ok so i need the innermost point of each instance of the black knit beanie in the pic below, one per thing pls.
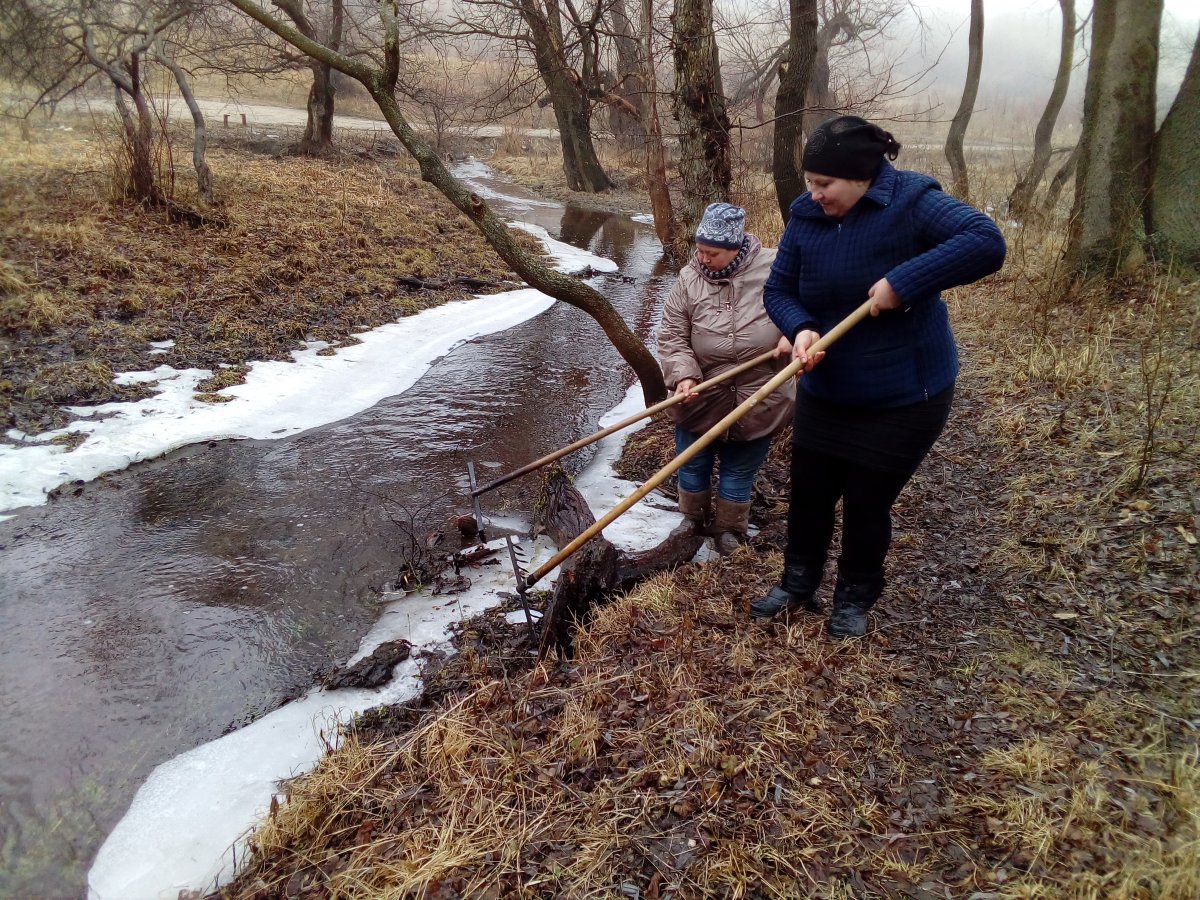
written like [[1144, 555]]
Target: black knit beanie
[[848, 147]]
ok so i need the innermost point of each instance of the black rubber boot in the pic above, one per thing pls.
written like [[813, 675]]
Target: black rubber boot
[[795, 591], [852, 600]]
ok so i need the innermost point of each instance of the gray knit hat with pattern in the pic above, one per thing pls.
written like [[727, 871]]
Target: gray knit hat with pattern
[[723, 225]]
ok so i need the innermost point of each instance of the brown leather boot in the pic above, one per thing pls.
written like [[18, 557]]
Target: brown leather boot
[[696, 507], [730, 524]]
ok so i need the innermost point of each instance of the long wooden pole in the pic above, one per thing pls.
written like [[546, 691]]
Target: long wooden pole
[[703, 441], [624, 423]]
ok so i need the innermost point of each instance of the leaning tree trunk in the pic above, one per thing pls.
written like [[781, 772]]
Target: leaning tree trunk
[[961, 186], [1021, 198], [1113, 176], [1174, 210], [380, 82], [204, 178], [705, 149], [1065, 173], [795, 72]]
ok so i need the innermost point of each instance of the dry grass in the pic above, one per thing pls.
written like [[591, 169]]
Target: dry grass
[[701, 759], [1020, 724], [313, 251]]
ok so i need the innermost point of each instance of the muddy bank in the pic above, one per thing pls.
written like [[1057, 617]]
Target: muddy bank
[[313, 250]]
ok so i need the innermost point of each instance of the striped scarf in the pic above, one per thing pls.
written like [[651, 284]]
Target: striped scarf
[[749, 249]]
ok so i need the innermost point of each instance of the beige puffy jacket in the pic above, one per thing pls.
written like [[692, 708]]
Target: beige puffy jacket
[[708, 328]]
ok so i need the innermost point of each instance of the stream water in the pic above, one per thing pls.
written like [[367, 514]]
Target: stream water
[[157, 608]]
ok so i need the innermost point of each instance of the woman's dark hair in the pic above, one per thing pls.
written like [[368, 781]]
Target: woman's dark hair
[[848, 147]]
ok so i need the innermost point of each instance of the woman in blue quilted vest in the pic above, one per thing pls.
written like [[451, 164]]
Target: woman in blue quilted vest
[[867, 415]]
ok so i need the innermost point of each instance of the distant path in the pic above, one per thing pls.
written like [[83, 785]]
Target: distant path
[[265, 114]]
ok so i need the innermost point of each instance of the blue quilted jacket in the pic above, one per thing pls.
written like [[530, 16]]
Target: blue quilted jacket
[[923, 241]]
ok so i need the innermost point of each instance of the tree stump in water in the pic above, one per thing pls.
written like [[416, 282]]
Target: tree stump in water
[[597, 568]]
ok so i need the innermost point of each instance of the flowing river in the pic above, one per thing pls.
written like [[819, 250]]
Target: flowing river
[[153, 610]]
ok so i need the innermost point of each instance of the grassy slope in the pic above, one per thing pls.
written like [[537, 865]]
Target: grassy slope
[[1020, 723], [313, 250]]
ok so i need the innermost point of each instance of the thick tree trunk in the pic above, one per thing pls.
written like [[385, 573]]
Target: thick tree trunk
[[818, 96], [961, 185], [573, 114], [627, 120], [597, 569], [318, 130], [795, 73], [704, 146], [568, 98], [1174, 210], [1113, 177], [1021, 199]]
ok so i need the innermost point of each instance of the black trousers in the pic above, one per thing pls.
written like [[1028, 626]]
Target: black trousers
[[863, 459]]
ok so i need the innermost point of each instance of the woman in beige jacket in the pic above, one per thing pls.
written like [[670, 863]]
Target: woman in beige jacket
[[713, 320]]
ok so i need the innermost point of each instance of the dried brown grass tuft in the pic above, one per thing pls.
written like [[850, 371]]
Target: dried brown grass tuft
[[313, 251]]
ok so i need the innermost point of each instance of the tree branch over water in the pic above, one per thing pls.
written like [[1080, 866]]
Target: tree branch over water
[[381, 84]]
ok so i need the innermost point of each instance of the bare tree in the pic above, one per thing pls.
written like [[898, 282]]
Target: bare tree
[[204, 178], [57, 49], [656, 165], [961, 186], [1021, 198], [1065, 173], [853, 69], [626, 119], [1113, 175], [318, 130], [566, 43], [795, 72], [1174, 213], [705, 156], [111, 39], [380, 80]]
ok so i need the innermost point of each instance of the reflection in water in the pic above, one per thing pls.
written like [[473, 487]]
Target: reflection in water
[[179, 599]]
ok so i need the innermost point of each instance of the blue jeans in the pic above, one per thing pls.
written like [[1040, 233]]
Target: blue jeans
[[739, 463]]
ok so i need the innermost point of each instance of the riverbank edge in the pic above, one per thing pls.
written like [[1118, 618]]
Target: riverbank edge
[[1021, 665]]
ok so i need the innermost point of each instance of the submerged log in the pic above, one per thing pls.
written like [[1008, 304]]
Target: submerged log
[[598, 568]]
